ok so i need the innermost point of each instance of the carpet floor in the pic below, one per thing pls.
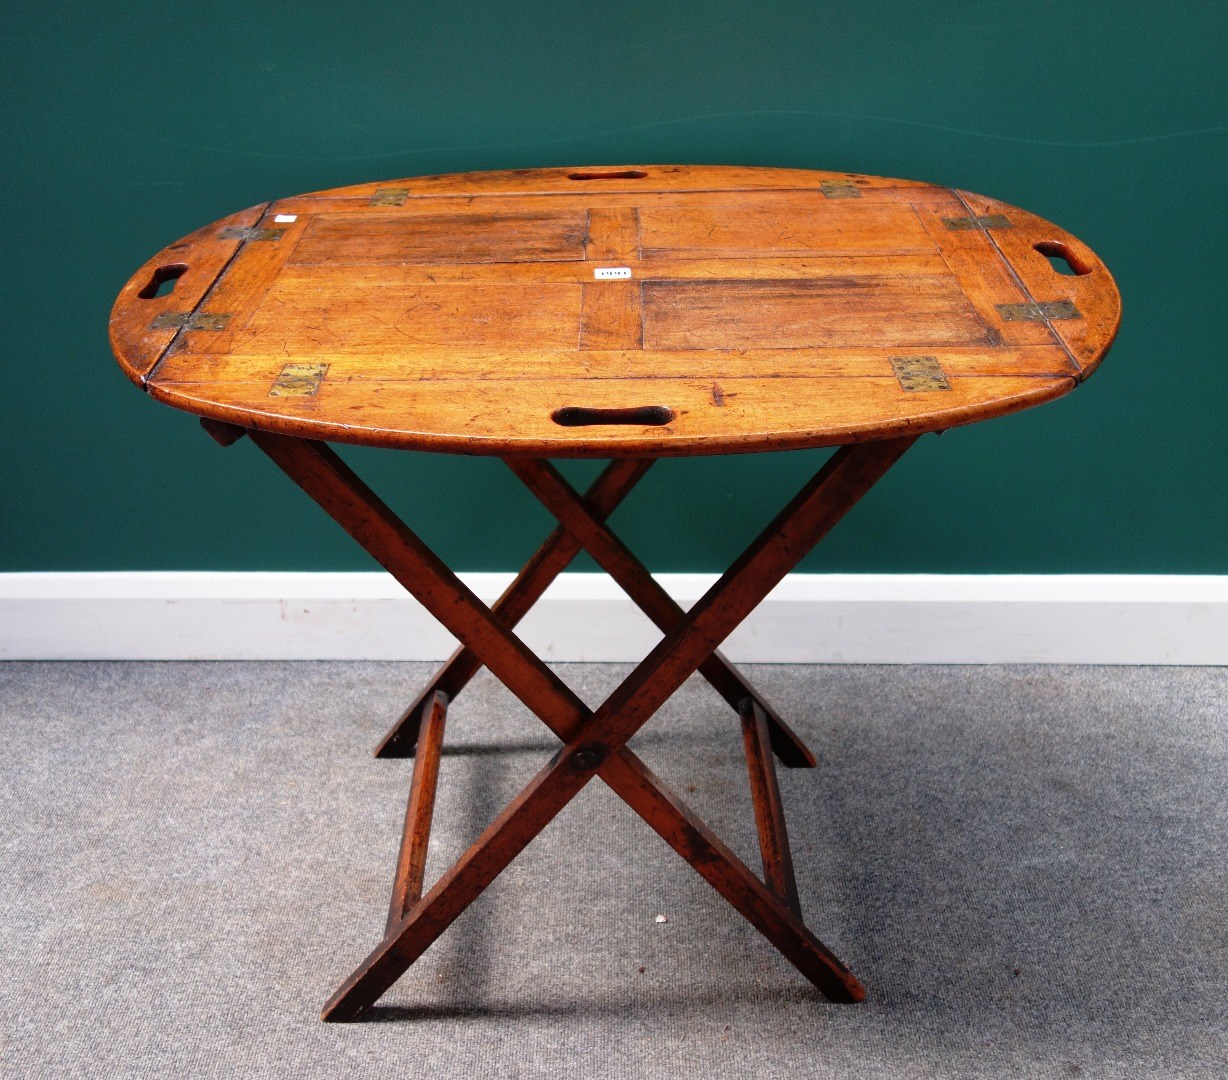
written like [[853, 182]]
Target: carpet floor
[[1026, 866]]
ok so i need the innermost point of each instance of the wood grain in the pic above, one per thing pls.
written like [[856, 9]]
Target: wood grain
[[888, 312], [498, 235], [790, 223], [769, 810], [752, 414], [465, 317], [612, 316], [202, 255], [419, 809], [1092, 289]]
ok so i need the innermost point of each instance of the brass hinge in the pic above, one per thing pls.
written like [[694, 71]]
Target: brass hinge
[[919, 373], [390, 196], [840, 189], [1042, 311], [190, 320], [299, 380], [238, 232], [982, 221]]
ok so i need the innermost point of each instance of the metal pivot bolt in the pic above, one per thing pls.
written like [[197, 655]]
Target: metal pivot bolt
[[584, 759]]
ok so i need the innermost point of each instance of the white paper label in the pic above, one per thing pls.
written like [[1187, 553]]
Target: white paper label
[[279, 218], [612, 273]]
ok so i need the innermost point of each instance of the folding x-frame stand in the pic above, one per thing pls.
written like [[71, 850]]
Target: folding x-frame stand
[[594, 742]]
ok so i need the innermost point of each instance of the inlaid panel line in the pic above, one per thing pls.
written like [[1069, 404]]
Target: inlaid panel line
[[208, 293], [1020, 282]]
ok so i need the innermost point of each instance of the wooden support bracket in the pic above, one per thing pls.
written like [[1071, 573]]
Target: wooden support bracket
[[222, 433], [411, 862]]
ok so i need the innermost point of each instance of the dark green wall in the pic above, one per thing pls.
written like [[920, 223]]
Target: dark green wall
[[128, 124]]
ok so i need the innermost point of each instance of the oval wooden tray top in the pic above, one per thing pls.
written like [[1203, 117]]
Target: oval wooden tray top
[[617, 311]]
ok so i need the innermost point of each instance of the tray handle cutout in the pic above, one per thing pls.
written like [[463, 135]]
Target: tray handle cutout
[[611, 174], [1063, 259], [162, 283], [636, 416]]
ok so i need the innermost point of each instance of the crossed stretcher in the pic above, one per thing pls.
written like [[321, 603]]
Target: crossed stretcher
[[594, 741]]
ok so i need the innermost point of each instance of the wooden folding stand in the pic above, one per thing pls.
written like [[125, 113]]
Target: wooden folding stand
[[623, 314], [594, 742]]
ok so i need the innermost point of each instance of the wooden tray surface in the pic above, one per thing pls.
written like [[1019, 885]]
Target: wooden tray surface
[[617, 311]]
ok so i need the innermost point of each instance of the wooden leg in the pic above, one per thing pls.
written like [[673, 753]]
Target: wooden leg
[[555, 554], [317, 469], [769, 812], [595, 741], [525, 817], [411, 861], [634, 578], [678, 826]]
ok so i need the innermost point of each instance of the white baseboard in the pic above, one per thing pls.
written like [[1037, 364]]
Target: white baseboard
[[809, 618]]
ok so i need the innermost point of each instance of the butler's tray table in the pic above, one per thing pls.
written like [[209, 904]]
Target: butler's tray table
[[625, 314]]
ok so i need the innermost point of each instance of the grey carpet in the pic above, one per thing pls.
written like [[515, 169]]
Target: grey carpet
[[1026, 866]]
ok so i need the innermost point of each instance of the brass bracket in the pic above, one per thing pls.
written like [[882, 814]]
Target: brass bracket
[[983, 221], [390, 196], [238, 232], [190, 320], [919, 373], [299, 380], [840, 189], [1041, 311]]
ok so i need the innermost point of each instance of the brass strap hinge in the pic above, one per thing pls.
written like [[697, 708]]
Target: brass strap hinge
[[919, 373], [1041, 311], [299, 380], [238, 232], [982, 221], [840, 189], [190, 320], [390, 196]]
